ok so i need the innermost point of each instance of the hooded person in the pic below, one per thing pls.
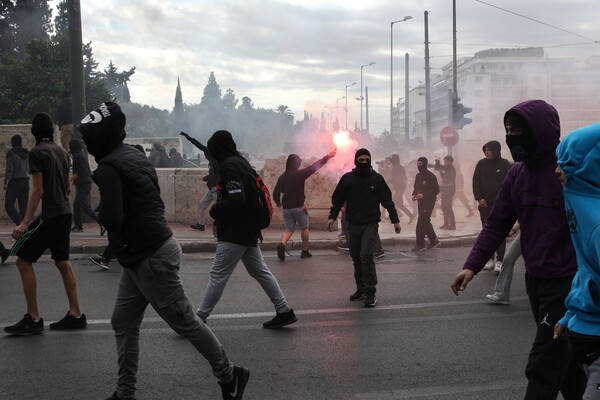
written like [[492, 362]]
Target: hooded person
[[289, 193], [16, 180], [425, 191], [363, 190], [132, 211], [238, 232], [399, 183], [578, 164], [487, 178], [531, 193]]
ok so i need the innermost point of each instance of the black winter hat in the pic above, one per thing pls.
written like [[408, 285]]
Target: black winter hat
[[103, 129], [361, 152], [221, 145], [16, 141]]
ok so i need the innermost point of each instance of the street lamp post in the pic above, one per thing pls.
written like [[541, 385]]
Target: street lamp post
[[392, 71], [361, 93], [346, 108]]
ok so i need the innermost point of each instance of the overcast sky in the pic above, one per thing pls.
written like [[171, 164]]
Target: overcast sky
[[302, 53]]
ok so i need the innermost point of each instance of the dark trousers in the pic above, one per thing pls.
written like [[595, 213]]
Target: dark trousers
[[550, 368], [424, 227], [17, 191], [82, 204], [484, 213], [447, 198], [363, 239]]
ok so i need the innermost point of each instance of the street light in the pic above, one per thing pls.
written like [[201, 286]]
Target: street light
[[361, 92], [392, 70], [347, 86]]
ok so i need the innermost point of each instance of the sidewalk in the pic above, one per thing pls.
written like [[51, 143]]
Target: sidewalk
[[193, 241]]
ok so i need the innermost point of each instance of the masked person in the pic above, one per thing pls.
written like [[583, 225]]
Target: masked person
[[531, 193], [363, 190], [425, 192]]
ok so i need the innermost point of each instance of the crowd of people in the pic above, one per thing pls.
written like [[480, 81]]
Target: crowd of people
[[545, 200]]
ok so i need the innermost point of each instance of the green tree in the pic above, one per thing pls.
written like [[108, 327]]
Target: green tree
[[28, 19], [247, 104], [116, 82], [229, 100], [211, 98], [286, 114]]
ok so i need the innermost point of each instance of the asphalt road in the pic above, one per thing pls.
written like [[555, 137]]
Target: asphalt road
[[420, 342]]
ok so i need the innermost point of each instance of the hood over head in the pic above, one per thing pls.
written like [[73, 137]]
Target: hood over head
[[42, 127], [543, 124], [579, 156], [103, 129], [221, 145], [395, 159], [16, 141], [496, 148], [423, 168], [293, 163]]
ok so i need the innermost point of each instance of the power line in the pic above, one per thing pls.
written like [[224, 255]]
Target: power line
[[538, 21]]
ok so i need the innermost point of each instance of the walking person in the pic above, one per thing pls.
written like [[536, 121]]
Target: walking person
[[425, 193], [501, 293], [487, 179], [211, 182], [133, 212], [289, 193], [399, 183], [460, 190], [238, 232], [16, 180], [49, 166], [532, 134], [448, 190], [82, 180], [578, 164], [363, 190]]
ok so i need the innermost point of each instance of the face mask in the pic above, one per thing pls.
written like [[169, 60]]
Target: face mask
[[521, 147], [422, 168], [363, 168]]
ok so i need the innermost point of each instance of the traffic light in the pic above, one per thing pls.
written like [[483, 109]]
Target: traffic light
[[458, 114]]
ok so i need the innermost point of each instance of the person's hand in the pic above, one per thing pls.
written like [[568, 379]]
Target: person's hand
[[332, 153], [397, 227], [483, 203], [560, 332], [330, 224], [461, 280], [414, 197], [185, 135], [278, 205], [420, 196], [19, 231]]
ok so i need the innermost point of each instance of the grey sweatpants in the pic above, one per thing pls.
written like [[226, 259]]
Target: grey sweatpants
[[155, 280]]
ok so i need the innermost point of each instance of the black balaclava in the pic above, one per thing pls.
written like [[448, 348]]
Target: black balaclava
[[42, 128], [422, 168], [16, 141], [221, 146], [523, 146], [395, 159], [362, 168], [293, 163], [103, 129]]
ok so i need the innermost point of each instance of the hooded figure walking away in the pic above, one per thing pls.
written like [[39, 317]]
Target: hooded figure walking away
[[238, 232], [16, 180], [291, 185], [363, 190], [425, 191], [133, 213]]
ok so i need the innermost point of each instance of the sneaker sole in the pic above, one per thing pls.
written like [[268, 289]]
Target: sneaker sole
[[27, 333], [371, 305], [104, 267], [496, 302], [69, 328], [282, 324]]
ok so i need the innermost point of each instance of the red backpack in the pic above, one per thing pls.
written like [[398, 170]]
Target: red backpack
[[264, 209]]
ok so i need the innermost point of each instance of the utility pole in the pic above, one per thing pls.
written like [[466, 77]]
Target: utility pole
[[76, 63], [427, 83], [367, 108], [454, 68]]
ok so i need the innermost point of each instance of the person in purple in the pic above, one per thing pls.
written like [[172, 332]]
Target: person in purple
[[531, 193]]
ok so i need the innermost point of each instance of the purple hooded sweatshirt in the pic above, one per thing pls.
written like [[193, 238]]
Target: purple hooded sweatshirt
[[531, 193]]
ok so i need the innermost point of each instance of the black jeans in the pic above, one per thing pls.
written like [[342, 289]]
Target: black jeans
[[550, 367], [363, 239], [447, 198], [424, 227], [17, 190], [82, 204]]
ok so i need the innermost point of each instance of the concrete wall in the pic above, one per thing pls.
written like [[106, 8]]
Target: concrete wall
[[182, 188]]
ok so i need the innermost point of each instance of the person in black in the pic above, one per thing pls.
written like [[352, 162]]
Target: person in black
[[16, 180], [64, 118], [363, 190], [290, 184], [460, 190], [133, 212], [398, 179], [487, 179], [175, 159], [425, 191], [211, 182], [82, 180], [448, 189], [158, 156]]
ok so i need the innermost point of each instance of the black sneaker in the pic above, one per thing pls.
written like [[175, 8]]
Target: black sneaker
[[76, 230], [197, 226], [4, 254], [418, 248], [370, 300], [26, 326], [281, 251], [305, 254], [434, 244], [234, 390], [281, 320], [357, 296], [100, 261], [70, 322], [379, 253]]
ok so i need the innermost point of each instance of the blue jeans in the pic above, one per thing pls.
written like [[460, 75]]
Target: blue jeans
[[226, 259], [504, 280]]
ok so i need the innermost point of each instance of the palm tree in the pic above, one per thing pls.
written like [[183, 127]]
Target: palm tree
[[285, 113]]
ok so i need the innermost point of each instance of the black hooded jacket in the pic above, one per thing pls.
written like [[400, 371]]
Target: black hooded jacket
[[17, 165], [489, 174], [291, 182]]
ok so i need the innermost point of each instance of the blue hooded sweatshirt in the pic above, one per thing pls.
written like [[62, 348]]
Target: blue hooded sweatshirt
[[579, 158], [531, 193]]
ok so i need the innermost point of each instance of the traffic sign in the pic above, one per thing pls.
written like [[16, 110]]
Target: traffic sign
[[448, 136]]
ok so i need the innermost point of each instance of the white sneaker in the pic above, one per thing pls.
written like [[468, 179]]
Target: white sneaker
[[489, 265], [495, 299], [498, 267]]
